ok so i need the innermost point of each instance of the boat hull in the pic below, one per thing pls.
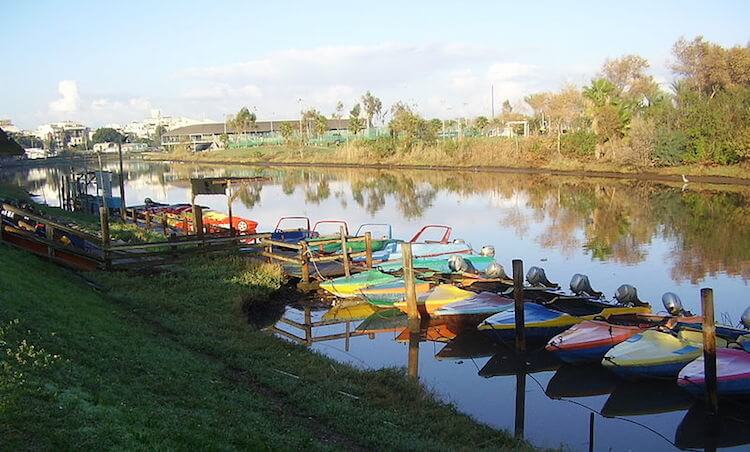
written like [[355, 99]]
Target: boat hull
[[589, 341], [732, 369]]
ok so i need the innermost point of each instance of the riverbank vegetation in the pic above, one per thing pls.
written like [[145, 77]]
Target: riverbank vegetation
[[175, 360], [623, 120]]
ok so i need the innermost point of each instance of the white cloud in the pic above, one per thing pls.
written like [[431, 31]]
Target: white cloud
[[69, 98], [509, 71]]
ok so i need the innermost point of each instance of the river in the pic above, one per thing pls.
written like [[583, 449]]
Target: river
[[656, 236]]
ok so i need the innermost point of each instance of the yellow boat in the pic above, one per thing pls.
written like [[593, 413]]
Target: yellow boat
[[438, 297]]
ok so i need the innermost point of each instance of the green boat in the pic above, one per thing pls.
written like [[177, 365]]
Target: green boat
[[384, 295], [439, 265], [349, 286]]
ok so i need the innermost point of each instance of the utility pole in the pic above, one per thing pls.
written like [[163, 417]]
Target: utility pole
[[492, 96]]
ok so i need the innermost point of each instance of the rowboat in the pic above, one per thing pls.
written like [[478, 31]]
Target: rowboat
[[349, 286], [378, 242], [437, 297], [422, 248], [541, 322], [589, 340], [662, 354], [292, 230], [732, 374], [470, 312], [385, 294]]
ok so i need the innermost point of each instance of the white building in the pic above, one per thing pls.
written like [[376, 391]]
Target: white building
[[7, 125], [64, 134], [147, 127]]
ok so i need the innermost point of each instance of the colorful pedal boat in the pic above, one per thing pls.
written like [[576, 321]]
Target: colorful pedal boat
[[470, 312], [349, 286], [437, 297], [590, 340], [732, 374], [439, 264], [543, 323], [388, 293], [392, 250]]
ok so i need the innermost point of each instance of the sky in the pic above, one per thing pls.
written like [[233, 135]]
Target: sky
[[115, 62]]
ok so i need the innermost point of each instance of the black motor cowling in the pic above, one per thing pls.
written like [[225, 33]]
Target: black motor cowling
[[672, 304], [628, 295], [581, 286], [495, 270], [538, 278]]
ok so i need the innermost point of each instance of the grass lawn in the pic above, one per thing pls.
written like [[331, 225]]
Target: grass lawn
[[169, 361]]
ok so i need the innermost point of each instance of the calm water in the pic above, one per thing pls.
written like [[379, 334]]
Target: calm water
[[657, 237]]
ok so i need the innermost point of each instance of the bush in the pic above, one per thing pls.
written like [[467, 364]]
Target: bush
[[579, 144], [670, 147]]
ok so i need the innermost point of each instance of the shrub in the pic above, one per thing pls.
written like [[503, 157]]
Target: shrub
[[579, 144], [670, 147]]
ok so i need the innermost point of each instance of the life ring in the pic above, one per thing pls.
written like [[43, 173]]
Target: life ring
[[242, 226]]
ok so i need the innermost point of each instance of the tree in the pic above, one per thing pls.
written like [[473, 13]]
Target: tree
[[539, 103], [481, 122], [628, 75], [243, 121], [158, 132], [356, 123], [287, 131], [313, 123], [107, 135], [339, 113], [709, 67], [372, 105], [320, 125], [507, 108], [564, 108]]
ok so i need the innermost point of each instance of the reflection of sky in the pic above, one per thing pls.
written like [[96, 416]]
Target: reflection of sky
[[479, 218]]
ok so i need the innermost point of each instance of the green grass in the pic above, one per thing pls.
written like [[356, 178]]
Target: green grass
[[168, 361]]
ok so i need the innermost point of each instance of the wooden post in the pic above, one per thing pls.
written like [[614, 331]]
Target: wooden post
[[304, 257], [100, 190], [345, 252], [518, 298], [164, 224], [147, 214], [368, 249], [520, 403], [591, 432], [50, 233], [122, 183], [709, 351], [104, 220], [229, 206], [134, 215], [412, 363], [308, 325], [411, 292]]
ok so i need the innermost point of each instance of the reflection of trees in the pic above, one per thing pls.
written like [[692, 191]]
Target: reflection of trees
[[319, 192], [412, 198], [249, 194]]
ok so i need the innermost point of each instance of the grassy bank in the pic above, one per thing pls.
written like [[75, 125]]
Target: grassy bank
[[535, 152], [169, 361]]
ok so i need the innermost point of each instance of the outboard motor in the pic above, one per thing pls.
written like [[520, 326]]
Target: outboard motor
[[148, 201], [745, 318], [458, 264], [628, 295], [581, 286], [672, 304], [487, 251], [537, 278], [495, 270]]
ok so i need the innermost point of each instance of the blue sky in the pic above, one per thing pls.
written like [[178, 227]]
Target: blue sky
[[104, 62]]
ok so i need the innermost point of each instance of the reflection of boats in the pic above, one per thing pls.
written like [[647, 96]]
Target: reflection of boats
[[346, 311], [387, 320], [732, 374], [352, 247], [731, 428], [439, 264], [662, 354], [508, 362], [543, 322], [631, 398], [437, 297], [580, 381], [470, 312], [349, 286], [466, 345], [433, 333], [385, 294]]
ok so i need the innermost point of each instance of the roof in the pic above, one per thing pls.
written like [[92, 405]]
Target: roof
[[218, 128]]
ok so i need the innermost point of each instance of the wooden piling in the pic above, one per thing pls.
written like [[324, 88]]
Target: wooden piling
[[368, 249], [345, 252], [49, 231], [104, 220], [709, 350], [198, 220], [591, 432], [164, 225], [518, 298], [308, 325], [412, 362], [411, 292], [229, 206], [147, 214], [520, 404], [304, 258], [122, 182]]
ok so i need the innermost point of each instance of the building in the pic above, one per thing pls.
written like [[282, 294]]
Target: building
[[147, 127], [205, 136], [126, 147], [63, 135], [7, 125]]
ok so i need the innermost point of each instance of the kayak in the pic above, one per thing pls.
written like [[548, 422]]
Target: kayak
[[470, 312], [385, 294], [436, 298], [732, 374], [438, 264], [347, 311], [540, 322], [653, 354], [349, 286]]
